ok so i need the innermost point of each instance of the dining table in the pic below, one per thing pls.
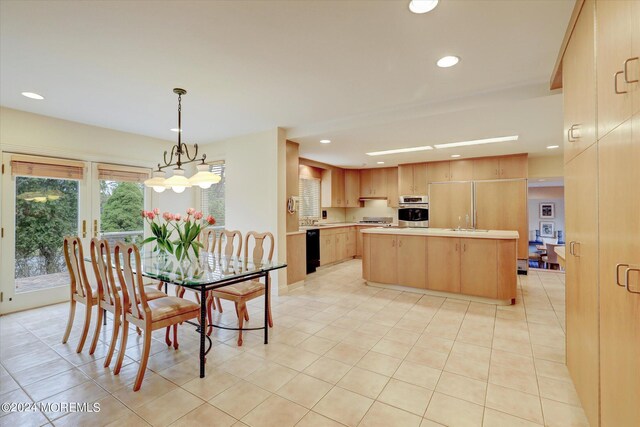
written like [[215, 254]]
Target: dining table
[[206, 272]]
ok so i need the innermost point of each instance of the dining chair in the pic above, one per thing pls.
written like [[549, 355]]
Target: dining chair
[[148, 315], [109, 293], [551, 258], [241, 293], [81, 290]]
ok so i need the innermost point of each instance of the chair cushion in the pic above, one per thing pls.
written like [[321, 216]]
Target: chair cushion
[[153, 293], [164, 308], [243, 288]]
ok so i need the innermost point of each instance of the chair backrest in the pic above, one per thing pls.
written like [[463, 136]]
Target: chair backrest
[[257, 254], [552, 256], [103, 269], [74, 258], [229, 238], [208, 239], [133, 294], [552, 240]]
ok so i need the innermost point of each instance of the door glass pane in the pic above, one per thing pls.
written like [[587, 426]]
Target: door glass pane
[[120, 206], [46, 211]]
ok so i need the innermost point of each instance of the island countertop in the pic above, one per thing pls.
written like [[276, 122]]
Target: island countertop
[[444, 232]]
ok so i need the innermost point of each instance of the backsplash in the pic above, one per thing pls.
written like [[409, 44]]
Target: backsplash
[[371, 208]]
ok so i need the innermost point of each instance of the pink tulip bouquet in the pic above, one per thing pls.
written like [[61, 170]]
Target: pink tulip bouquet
[[187, 227]]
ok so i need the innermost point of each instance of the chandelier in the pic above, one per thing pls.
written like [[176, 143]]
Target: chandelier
[[178, 182]]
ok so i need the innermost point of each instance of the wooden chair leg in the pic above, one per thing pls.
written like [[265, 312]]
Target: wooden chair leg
[[167, 337], [123, 346], [143, 361], [114, 338], [219, 305], [96, 333], [85, 328], [175, 336], [269, 315], [210, 303], [240, 321], [138, 330], [72, 315], [246, 314]]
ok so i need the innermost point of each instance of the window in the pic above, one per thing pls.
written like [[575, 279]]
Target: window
[[212, 201], [309, 205]]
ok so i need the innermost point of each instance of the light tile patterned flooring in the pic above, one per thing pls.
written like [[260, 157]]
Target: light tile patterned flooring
[[341, 353]]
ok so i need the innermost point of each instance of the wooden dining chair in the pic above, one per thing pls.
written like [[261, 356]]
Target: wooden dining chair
[[109, 293], [241, 293], [81, 290], [148, 315]]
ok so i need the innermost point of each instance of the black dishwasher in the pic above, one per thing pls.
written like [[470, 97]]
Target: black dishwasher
[[313, 250]]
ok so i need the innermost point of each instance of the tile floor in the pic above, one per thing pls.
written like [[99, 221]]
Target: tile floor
[[341, 353]]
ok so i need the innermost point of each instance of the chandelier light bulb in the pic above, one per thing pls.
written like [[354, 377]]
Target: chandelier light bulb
[[157, 181], [204, 178], [178, 182]]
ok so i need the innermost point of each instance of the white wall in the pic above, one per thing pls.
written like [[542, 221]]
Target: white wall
[[539, 195], [372, 208]]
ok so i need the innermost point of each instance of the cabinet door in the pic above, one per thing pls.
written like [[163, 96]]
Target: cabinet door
[[384, 259], [420, 179], [613, 44], [579, 85], [634, 66], [438, 172], [359, 243], [392, 187], [412, 261], [379, 182], [443, 264], [619, 228], [337, 184], [352, 188], [461, 170], [581, 278], [365, 183], [486, 168], [341, 246], [479, 268], [351, 242], [405, 180], [450, 204], [514, 166], [502, 205], [327, 248]]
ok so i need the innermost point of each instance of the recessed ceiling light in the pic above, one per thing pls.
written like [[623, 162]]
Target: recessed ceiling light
[[422, 6], [175, 130], [447, 61], [400, 150], [380, 163], [542, 180], [455, 155], [477, 142], [32, 95], [325, 141], [551, 147]]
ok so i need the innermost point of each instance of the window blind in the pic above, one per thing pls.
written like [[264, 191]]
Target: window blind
[[212, 199], [46, 167], [309, 204], [122, 173]]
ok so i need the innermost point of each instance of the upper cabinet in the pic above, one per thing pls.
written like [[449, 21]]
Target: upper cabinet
[[412, 179], [333, 187], [352, 188], [460, 170], [579, 85], [505, 167], [438, 172], [392, 187], [373, 183], [618, 62], [486, 168]]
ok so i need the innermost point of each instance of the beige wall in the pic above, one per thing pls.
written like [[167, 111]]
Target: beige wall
[[545, 167]]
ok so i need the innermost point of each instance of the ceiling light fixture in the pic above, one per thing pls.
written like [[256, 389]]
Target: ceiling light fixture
[[422, 6], [400, 150], [178, 182], [380, 163], [551, 147], [175, 130], [447, 61], [455, 155], [325, 141], [477, 142], [33, 95]]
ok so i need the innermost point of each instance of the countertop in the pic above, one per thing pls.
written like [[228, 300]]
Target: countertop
[[292, 233], [444, 232], [338, 225]]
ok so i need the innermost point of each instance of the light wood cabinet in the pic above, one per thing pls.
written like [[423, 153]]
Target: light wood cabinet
[[366, 189], [460, 170], [502, 205], [383, 258], [503, 167], [341, 245], [327, 247], [296, 257], [579, 85], [438, 171], [412, 179], [486, 168], [393, 198], [581, 221], [619, 231], [332, 188], [449, 201], [352, 188], [412, 261], [478, 268], [351, 242], [443, 264], [373, 183], [617, 28], [337, 244]]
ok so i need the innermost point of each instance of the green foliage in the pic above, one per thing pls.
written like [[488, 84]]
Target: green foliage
[[121, 210]]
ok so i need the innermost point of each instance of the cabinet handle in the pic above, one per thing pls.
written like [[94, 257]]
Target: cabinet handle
[[464, 247], [571, 137], [497, 172], [456, 247], [571, 247], [626, 79], [618, 273], [393, 243], [84, 228], [400, 243], [615, 83], [626, 279]]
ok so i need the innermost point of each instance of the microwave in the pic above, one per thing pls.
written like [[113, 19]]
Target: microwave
[[413, 211]]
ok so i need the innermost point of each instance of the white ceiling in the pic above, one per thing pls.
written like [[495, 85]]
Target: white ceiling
[[361, 73]]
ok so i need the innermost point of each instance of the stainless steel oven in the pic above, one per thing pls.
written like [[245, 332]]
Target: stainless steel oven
[[414, 211]]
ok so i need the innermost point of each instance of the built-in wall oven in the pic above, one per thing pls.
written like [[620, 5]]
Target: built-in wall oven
[[413, 211]]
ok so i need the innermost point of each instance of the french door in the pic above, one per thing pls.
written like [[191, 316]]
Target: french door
[[44, 199]]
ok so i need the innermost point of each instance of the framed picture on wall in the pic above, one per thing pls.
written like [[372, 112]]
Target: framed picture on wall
[[547, 229], [547, 211]]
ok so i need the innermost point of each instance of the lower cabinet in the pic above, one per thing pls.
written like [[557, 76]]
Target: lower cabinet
[[478, 267], [384, 259], [337, 244], [351, 242], [412, 267], [443, 264], [327, 247]]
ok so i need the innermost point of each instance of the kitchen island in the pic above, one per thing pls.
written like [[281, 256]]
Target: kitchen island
[[475, 265]]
